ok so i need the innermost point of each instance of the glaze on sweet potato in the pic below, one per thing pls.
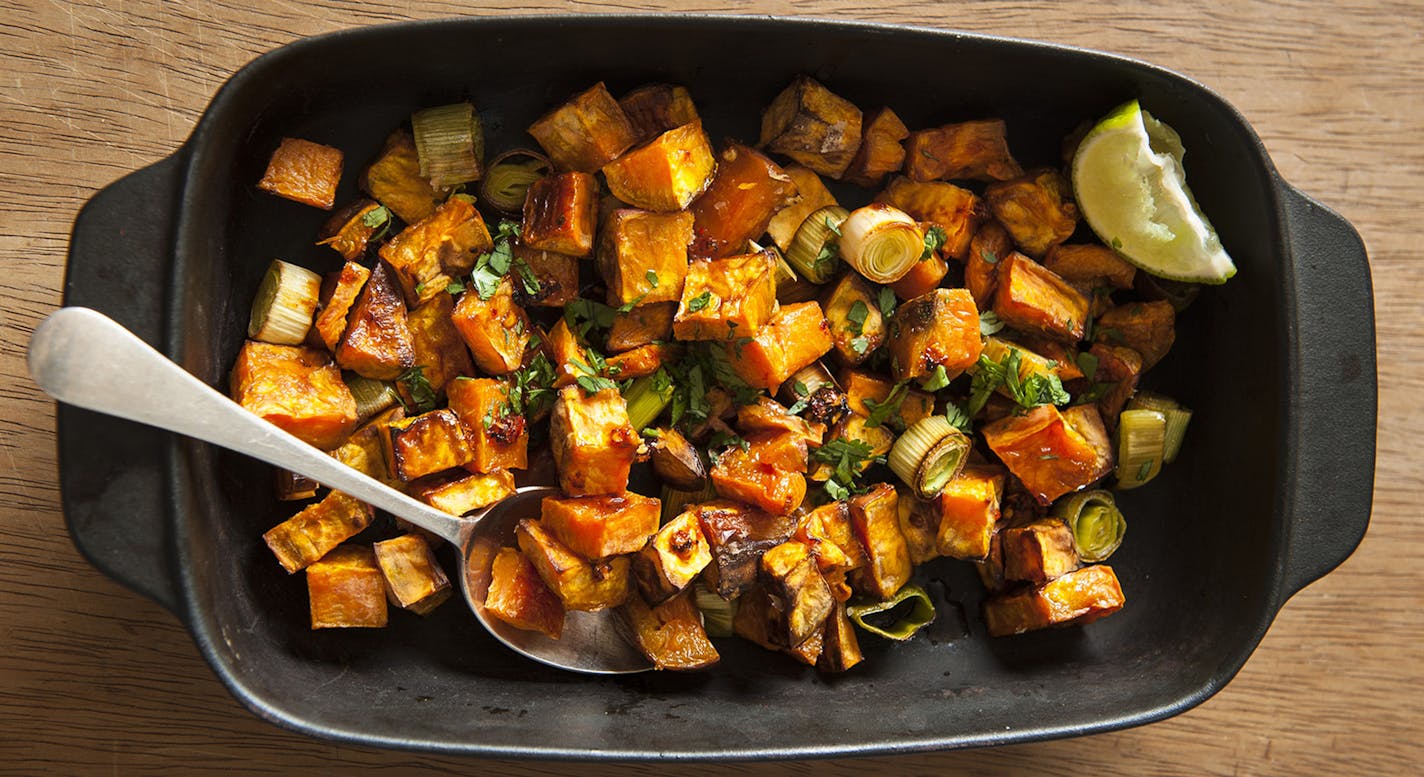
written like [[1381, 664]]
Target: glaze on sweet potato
[[794, 337], [1030, 298], [345, 287], [1035, 209], [593, 442], [518, 596], [309, 535], [656, 108], [1050, 455], [346, 590], [296, 388], [882, 150], [970, 150], [377, 343], [599, 526], [496, 330], [413, 577], [665, 174], [303, 171], [671, 634], [561, 214], [426, 444], [940, 329], [643, 256], [748, 189], [579, 583], [813, 126], [586, 132], [1078, 597], [498, 436], [726, 298]]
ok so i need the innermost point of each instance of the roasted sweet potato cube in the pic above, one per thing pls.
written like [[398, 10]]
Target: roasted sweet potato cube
[[346, 590], [1120, 366], [350, 229], [428, 443], [561, 214], [840, 650], [1030, 298], [593, 442], [498, 436], [956, 211], [310, 534], [599, 526], [438, 346], [671, 634], [1091, 265], [1039, 552], [1078, 597], [567, 354], [836, 526], [666, 173], [446, 243], [641, 326], [857, 325], [579, 583], [794, 337], [756, 620], [1047, 453], [1035, 209], [882, 150], [394, 180], [641, 361], [864, 389], [981, 265], [657, 108], [813, 126], [853, 427], [972, 150], [998, 349], [345, 286], [303, 171], [757, 475], [940, 329], [377, 343], [766, 415], [726, 298], [461, 492], [496, 330], [414, 579], [811, 530], [875, 519], [1146, 327], [991, 568], [809, 651], [585, 133], [919, 523], [674, 558], [557, 274], [518, 596], [924, 276], [968, 512], [643, 256], [792, 579], [291, 487], [296, 388], [737, 536], [364, 452], [747, 191], [811, 195]]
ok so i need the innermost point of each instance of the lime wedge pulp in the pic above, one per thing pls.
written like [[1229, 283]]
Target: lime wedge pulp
[[1132, 190]]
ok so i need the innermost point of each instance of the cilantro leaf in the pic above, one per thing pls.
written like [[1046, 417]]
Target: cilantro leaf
[[989, 323], [959, 418], [652, 276], [376, 216], [699, 302], [880, 412], [886, 301], [855, 317], [934, 239], [594, 384], [936, 380], [422, 394]]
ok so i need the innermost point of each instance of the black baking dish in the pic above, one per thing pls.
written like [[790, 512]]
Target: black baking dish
[[1272, 491]]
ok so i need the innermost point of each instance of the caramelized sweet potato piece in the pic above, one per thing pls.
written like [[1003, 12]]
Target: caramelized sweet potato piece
[[766, 415], [737, 536], [394, 180], [350, 229], [586, 132], [579, 583], [756, 620], [594, 445], [862, 386], [1035, 209], [446, 243], [428, 443], [797, 590], [811, 195], [643, 256], [498, 436], [835, 527], [599, 526], [345, 286], [641, 326], [657, 108], [298, 389], [830, 558], [747, 190], [957, 211], [460, 492], [1146, 327], [924, 276], [968, 512], [1048, 453], [671, 634], [674, 558], [346, 590], [291, 487], [973, 150], [875, 519], [1077, 597], [813, 126], [726, 298], [414, 579], [840, 650], [377, 342], [1120, 366], [857, 325], [561, 213], [496, 330], [519, 597], [309, 535], [881, 149], [1039, 552], [643, 360], [1030, 298], [795, 336], [666, 173], [940, 329], [1090, 265], [991, 568], [919, 523], [981, 265], [437, 345], [557, 274], [303, 171], [759, 474], [364, 452], [566, 352]]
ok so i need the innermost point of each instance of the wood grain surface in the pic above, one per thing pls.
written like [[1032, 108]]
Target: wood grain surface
[[95, 679]]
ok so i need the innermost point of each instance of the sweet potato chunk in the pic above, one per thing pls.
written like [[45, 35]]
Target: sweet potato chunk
[[437, 345], [498, 436], [919, 523], [1030, 298], [310, 534], [840, 650], [726, 298], [968, 511], [1051, 456], [599, 526], [364, 452], [657, 108], [924, 276], [643, 256], [350, 229], [1121, 366], [795, 336], [765, 473], [303, 171], [666, 173], [674, 558], [518, 596], [1077, 597], [557, 274], [881, 149], [737, 536], [766, 415], [981, 265], [641, 326], [298, 389], [346, 590], [461, 493], [496, 330], [875, 519], [940, 329], [446, 243], [671, 634], [586, 132], [1146, 327], [813, 126], [1039, 552], [346, 285], [797, 590], [812, 195], [394, 180], [414, 579], [579, 583], [1035, 209], [560, 214], [864, 389], [1090, 265], [835, 527], [593, 442], [428, 443], [857, 325], [956, 211], [973, 150], [567, 354], [747, 190], [377, 343]]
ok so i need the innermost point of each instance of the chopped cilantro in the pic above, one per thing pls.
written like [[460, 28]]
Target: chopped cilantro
[[652, 276], [936, 380], [594, 384], [1088, 363], [880, 412], [934, 239], [989, 323], [846, 457], [855, 317], [376, 216], [422, 394], [886, 301], [1037, 389], [699, 302], [959, 418]]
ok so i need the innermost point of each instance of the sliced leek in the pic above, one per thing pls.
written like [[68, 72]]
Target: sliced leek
[[813, 250], [372, 396], [1095, 521], [921, 614], [285, 303], [674, 501], [1177, 419], [881, 242], [506, 185], [717, 613], [449, 142], [929, 454], [1141, 440], [646, 398]]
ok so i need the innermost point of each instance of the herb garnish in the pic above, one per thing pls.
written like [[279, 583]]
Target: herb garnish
[[699, 302], [934, 239], [846, 457], [422, 395]]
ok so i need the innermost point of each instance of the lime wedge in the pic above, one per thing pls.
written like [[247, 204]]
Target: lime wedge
[[1131, 188]]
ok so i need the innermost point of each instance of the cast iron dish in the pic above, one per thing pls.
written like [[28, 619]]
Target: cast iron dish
[[1272, 491]]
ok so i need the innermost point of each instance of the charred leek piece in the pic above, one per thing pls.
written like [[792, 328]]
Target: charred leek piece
[[929, 455], [449, 143], [1177, 418], [507, 183], [285, 303], [1141, 441], [646, 398], [675, 501], [813, 250], [717, 613], [881, 242], [372, 396], [1095, 521], [920, 615]]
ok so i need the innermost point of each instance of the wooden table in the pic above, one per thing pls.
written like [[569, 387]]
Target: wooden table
[[94, 678]]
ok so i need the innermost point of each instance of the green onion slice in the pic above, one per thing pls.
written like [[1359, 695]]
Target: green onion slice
[[1095, 521], [1141, 443], [881, 242], [511, 174], [814, 249], [929, 454], [449, 143], [920, 615]]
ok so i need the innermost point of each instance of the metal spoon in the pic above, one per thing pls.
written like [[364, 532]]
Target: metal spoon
[[82, 357]]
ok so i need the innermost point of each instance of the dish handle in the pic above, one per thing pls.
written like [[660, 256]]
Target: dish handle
[[113, 473], [1332, 426]]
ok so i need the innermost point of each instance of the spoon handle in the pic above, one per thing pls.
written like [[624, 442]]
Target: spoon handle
[[84, 358]]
